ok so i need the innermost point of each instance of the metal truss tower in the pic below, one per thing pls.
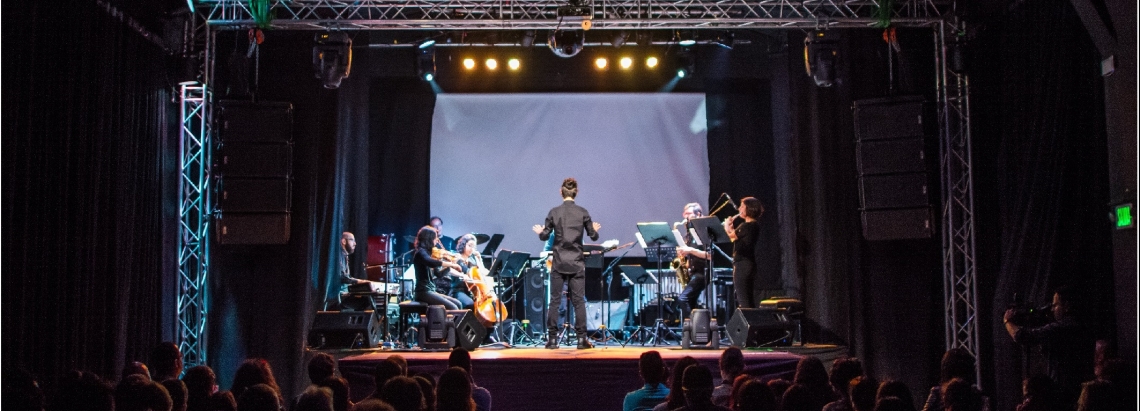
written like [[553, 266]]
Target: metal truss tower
[[194, 223], [959, 268]]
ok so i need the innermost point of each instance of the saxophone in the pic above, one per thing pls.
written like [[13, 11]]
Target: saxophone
[[681, 265]]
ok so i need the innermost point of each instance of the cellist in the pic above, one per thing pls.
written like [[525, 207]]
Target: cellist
[[485, 302]]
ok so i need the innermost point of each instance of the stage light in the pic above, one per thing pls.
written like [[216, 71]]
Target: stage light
[[686, 39], [626, 63], [527, 39], [426, 43], [332, 58], [700, 331], [725, 39], [686, 66], [686, 42], [514, 64], [619, 38], [469, 63], [651, 62], [566, 43], [601, 63], [492, 64], [425, 63], [820, 52]]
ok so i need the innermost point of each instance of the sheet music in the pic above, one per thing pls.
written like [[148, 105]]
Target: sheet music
[[677, 236], [640, 239]]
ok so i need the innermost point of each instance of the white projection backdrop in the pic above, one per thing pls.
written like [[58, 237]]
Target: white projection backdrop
[[498, 160]]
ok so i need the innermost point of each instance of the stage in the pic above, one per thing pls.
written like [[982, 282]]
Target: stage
[[526, 378]]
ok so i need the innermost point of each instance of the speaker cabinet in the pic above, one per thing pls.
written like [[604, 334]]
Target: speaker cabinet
[[906, 155], [889, 118], [270, 160], [345, 329], [246, 195], [900, 224], [253, 228], [533, 301], [244, 121], [469, 332], [759, 327], [894, 191]]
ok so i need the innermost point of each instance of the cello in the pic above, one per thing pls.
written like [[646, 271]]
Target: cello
[[488, 308]]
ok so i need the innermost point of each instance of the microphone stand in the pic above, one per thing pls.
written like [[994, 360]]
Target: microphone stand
[[607, 282]]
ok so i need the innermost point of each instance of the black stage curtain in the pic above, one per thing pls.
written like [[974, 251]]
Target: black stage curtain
[[90, 188], [1041, 175]]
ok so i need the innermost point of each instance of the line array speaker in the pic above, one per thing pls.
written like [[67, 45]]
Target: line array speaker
[[254, 172], [894, 188]]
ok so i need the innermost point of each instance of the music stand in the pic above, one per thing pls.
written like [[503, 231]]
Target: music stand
[[710, 231], [508, 264], [660, 245], [637, 276]]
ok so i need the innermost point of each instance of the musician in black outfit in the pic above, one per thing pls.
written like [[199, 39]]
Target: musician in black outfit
[[567, 223], [344, 278], [744, 230], [695, 259], [425, 265]]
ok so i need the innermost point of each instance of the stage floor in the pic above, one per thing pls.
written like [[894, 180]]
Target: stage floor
[[567, 378]]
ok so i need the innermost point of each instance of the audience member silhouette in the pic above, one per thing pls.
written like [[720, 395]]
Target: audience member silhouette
[[956, 363], [165, 362], [135, 367], [898, 389], [385, 371], [749, 394], [427, 388], [676, 397], [401, 361], [779, 386], [651, 368], [797, 398], [459, 357], [259, 397], [811, 374], [315, 398], [862, 391], [139, 393], [698, 388], [252, 372], [1102, 395], [177, 390], [731, 365], [403, 394], [321, 366], [959, 395], [342, 397], [843, 370], [223, 401], [201, 383], [83, 391], [1038, 393], [1066, 344], [454, 391]]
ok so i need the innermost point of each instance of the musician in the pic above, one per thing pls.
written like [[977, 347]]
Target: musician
[[567, 223], [425, 264], [469, 259], [344, 277], [694, 259], [448, 243], [744, 230]]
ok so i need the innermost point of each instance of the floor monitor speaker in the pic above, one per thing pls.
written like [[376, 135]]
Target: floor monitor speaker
[[759, 327], [469, 332], [344, 329]]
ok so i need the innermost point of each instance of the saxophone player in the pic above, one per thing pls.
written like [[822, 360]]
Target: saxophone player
[[691, 259]]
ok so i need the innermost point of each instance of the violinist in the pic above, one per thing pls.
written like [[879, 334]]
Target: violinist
[[744, 230], [425, 262]]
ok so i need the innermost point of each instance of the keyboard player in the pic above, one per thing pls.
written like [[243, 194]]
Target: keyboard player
[[341, 299]]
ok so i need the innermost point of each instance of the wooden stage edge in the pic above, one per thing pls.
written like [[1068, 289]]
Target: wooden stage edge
[[825, 352]]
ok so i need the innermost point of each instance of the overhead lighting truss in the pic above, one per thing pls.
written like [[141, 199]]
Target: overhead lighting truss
[[543, 14]]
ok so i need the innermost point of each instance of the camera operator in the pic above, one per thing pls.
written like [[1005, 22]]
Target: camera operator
[[1066, 344]]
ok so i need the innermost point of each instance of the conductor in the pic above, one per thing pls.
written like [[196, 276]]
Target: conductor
[[567, 222]]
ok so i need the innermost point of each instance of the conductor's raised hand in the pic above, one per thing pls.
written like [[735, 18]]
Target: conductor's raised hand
[[537, 228], [597, 226]]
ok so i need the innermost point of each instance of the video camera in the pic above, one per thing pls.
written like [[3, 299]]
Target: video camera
[[1026, 315]]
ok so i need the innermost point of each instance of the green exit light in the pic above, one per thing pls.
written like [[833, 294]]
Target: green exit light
[[1124, 216]]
